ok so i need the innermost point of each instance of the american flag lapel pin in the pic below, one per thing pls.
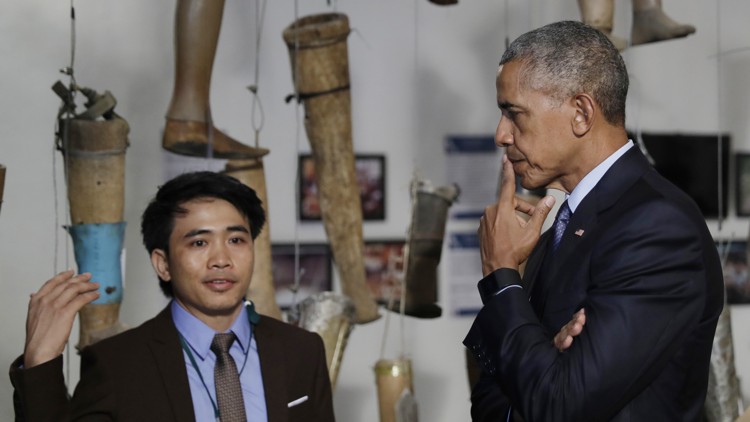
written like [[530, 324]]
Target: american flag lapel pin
[[579, 232]]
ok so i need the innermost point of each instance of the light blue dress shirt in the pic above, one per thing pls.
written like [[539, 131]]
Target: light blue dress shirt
[[198, 336], [592, 178]]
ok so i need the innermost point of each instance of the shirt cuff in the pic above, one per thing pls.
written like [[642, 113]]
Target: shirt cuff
[[497, 282]]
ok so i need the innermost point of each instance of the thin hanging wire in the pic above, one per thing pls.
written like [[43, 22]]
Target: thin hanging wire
[[256, 111], [719, 146], [298, 140], [67, 113]]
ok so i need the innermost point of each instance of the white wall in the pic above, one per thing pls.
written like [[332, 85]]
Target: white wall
[[418, 72]]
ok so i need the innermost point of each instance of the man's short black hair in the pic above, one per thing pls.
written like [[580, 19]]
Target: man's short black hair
[[157, 221]]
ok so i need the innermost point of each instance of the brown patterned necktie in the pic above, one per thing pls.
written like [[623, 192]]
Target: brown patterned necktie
[[228, 389]]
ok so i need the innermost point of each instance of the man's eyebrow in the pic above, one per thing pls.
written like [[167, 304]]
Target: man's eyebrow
[[198, 232], [504, 105], [238, 229]]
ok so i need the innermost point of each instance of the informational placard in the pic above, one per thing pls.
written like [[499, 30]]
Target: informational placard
[[464, 272], [473, 163]]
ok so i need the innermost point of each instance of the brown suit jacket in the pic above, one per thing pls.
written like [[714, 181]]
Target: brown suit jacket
[[140, 375]]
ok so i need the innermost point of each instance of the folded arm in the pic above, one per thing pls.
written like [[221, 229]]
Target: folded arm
[[644, 297]]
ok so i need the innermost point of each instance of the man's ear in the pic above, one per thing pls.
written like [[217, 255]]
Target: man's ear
[[585, 111], [161, 264]]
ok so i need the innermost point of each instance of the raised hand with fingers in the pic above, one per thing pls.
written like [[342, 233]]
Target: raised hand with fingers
[[506, 239], [52, 311], [564, 339]]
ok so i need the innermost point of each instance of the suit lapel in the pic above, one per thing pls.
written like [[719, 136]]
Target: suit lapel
[[583, 223], [165, 346], [534, 263], [272, 368]]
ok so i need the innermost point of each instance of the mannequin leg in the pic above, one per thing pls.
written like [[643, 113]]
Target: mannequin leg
[[650, 24], [599, 14], [197, 24]]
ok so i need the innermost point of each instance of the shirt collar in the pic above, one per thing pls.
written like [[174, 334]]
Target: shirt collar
[[199, 336], [592, 178]]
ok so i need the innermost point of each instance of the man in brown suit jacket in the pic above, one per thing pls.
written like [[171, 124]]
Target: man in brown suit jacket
[[199, 230]]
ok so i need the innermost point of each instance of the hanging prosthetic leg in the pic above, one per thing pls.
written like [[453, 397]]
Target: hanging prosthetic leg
[[93, 144], [424, 247], [332, 316], [189, 128], [723, 399], [600, 14], [261, 290], [651, 24], [395, 390], [320, 68]]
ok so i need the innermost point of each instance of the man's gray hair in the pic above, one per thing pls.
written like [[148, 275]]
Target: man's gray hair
[[566, 58]]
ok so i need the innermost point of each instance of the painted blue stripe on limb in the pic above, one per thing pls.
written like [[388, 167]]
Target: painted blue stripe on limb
[[97, 250]]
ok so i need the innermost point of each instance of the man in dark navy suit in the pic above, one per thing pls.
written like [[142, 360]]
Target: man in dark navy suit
[[627, 247]]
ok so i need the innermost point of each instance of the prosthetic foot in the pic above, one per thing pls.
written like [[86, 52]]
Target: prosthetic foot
[[652, 25], [189, 137]]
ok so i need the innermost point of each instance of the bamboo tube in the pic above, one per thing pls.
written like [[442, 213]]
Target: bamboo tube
[[320, 67]]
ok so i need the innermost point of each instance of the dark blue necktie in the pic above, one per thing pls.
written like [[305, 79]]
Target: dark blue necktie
[[558, 227]]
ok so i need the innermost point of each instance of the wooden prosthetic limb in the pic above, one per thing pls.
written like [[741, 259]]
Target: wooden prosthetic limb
[[723, 398], [600, 14], [651, 24], [320, 68], [261, 290], [395, 390], [189, 127], [94, 152], [331, 316], [423, 249]]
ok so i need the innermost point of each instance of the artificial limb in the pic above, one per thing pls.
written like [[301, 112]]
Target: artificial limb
[[189, 129], [651, 24]]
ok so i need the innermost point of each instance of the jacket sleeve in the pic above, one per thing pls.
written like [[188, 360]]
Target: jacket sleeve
[[323, 395], [94, 397], [40, 393], [644, 297], [488, 403]]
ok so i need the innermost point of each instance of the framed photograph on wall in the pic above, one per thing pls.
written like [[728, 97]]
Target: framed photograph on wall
[[384, 261], [733, 255], [370, 169], [742, 184], [315, 270]]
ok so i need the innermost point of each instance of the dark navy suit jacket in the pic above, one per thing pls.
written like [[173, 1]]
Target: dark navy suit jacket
[[637, 255]]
